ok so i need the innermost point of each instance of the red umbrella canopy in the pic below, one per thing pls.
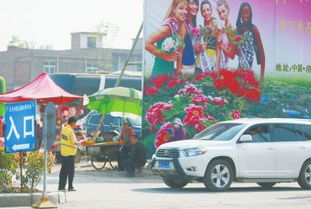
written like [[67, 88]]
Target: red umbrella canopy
[[43, 89]]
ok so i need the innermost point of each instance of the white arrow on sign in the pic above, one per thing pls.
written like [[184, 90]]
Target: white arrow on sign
[[20, 146]]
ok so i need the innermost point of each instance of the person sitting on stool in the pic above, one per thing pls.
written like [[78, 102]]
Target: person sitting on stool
[[125, 137], [137, 158]]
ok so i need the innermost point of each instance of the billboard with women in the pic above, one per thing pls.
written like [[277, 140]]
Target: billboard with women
[[212, 60]]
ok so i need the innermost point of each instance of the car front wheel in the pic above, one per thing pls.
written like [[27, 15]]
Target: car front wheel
[[304, 179], [218, 176]]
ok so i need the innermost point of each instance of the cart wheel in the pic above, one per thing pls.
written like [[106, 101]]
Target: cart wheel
[[115, 166], [113, 161], [99, 162]]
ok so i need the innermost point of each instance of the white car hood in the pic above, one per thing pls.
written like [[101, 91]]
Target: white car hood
[[186, 144]]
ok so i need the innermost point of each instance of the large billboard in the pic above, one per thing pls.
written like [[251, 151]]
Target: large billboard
[[212, 60]]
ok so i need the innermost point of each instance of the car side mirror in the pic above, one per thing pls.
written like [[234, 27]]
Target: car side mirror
[[246, 138]]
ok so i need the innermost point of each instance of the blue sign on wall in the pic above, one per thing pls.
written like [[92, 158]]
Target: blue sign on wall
[[20, 126]]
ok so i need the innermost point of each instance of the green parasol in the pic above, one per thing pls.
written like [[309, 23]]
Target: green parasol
[[118, 99]]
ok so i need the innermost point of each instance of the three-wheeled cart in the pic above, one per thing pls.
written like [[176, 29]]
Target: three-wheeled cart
[[103, 153]]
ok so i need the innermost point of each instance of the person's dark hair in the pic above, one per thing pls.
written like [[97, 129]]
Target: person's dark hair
[[206, 2], [194, 20], [72, 120], [239, 23]]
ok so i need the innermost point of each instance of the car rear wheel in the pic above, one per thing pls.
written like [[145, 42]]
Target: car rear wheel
[[266, 185], [218, 176], [174, 182], [304, 179]]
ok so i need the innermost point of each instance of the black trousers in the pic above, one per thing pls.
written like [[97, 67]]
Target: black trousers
[[67, 171], [131, 165], [123, 154]]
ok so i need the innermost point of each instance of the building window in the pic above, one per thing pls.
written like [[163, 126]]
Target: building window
[[91, 67], [91, 42], [49, 67]]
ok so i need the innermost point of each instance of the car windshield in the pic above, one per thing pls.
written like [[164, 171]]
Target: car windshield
[[220, 132]]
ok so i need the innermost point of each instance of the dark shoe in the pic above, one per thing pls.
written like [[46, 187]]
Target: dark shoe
[[72, 189], [61, 189]]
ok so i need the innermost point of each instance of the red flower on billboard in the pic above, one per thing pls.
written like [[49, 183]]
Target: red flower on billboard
[[172, 82], [189, 90], [154, 114], [238, 38], [213, 75], [160, 80], [199, 77], [199, 127], [200, 99], [151, 91], [194, 114], [236, 114], [253, 95], [162, 134], [219, 84], [219, 101], [234, 86], [181, 81]]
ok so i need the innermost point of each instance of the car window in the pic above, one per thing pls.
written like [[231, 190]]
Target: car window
[[94, 119], [286, 132], [304, 131], [259, 133], [110, 120], [220, 132]]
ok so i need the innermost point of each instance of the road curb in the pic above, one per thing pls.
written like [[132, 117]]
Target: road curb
[[27, 199]]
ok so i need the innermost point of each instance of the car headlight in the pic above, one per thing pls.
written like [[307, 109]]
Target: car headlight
[[194, 152]]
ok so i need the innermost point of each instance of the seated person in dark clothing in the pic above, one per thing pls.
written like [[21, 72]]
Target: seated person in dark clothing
[[137, 157], [125, 137], [179, 130]]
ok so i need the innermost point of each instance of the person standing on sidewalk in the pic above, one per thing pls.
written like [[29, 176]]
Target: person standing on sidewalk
[[68, 151]]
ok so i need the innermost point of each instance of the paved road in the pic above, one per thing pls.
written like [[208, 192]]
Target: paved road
[[109, 189]]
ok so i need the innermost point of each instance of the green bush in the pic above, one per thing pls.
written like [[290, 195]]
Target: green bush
[[34, 168], [8, 168]]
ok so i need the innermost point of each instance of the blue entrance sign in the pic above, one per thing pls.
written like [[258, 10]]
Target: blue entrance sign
[[20, 128]]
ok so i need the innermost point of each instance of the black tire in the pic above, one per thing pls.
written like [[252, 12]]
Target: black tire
[[174, 182], [113, 158], [218, 176], [266, 185], [99, 162], [304, 179]]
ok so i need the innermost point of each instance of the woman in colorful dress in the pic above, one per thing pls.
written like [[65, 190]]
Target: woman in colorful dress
[[165, 44], [188, 56], [253, 44], [222, 37], [193, 9], [209, 37]]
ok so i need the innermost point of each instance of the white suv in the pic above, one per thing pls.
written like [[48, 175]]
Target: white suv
[[265, 151]]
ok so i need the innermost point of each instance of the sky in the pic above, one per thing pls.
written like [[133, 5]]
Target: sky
[[50, 22]]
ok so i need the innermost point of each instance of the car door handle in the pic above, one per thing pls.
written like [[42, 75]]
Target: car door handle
[[270, 148], [302, 147]]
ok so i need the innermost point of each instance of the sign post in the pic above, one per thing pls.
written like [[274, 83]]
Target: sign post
[[20, 129], [49, 125]]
